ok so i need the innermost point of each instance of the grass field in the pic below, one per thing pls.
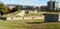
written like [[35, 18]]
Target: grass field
[[28, 24]]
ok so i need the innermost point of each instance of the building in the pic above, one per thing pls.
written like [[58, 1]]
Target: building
[[52, 5]]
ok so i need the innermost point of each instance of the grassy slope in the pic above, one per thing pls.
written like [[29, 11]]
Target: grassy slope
[[37, 14], [28, 24], [14, 13]]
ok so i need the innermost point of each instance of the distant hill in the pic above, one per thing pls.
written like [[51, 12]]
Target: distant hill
[[18, 5], [12, 5]]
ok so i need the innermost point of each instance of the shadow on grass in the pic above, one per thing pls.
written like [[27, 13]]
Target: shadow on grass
[[34, 22], [40, 22]]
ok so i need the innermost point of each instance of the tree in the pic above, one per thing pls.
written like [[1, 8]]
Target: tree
[[29, 8], [38, 9], [4, 9], [18, 7]]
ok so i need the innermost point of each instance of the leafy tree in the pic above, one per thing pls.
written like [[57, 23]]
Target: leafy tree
[[4, 9], [18, 7]]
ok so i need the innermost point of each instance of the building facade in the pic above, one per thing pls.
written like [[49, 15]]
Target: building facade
[[52, 5]]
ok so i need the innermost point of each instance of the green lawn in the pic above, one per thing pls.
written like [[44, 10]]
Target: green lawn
[[28, 24], [21, 24]]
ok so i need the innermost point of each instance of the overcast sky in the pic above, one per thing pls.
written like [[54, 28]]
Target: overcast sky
[[27, 2]]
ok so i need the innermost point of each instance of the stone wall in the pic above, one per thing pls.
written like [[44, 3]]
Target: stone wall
[[25, 18]]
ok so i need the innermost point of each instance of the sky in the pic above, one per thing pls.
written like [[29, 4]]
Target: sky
[[27, 2]]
